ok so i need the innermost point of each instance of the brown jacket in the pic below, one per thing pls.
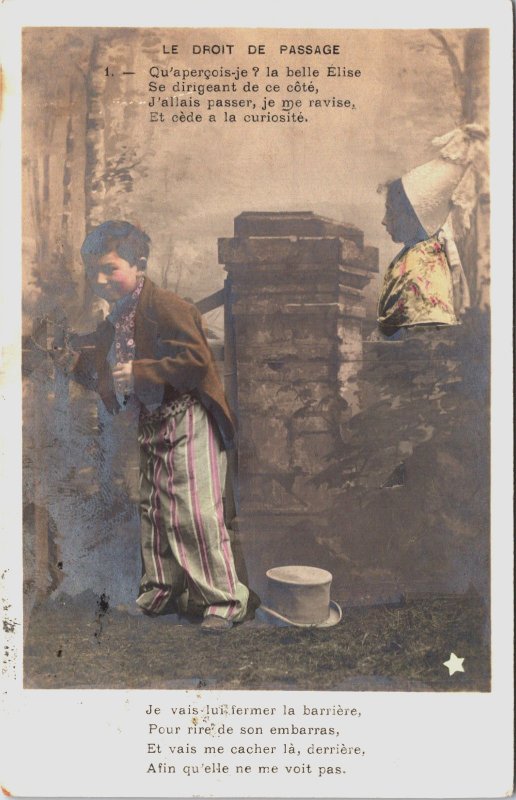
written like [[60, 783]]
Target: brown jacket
[[172, 357]]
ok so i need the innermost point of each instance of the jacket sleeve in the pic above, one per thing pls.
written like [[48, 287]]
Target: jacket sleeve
[[84, 371], [77, 360], [182, 350]]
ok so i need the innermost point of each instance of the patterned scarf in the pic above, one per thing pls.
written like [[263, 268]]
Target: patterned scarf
[[122, 318]]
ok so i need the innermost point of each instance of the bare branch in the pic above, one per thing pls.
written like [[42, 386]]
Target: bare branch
[[113, 173]]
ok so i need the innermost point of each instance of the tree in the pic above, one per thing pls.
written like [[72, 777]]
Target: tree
[[52, 272], [469, 69], [95, 166]]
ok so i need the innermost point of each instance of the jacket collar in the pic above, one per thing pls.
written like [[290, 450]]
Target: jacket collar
[[145, 300], [145, 325]]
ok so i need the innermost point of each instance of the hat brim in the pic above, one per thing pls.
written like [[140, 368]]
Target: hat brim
[[334, 616]]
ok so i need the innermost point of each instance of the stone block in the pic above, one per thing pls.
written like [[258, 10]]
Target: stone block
[[294, 223], [265, 492], [283, 400], [281, 278], [354, 277], [318, 498], [282, 304], [314, 295], [311, 450], [370, 258], [312, 327], [311, 310], [254, 353], [366, 259], [262, 329], [310, 422], [264, 444], [286, 371], [248, 253], [349, 333], [348, 385], [283, 493], [352, 303], [269, 526]]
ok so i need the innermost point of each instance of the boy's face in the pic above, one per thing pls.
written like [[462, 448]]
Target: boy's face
[[113, 277]]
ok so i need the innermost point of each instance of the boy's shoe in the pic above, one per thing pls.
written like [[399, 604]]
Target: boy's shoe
[[213, 624], [170, 607]]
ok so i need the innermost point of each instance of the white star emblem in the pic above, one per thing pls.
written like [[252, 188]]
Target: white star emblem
[[454, 664]]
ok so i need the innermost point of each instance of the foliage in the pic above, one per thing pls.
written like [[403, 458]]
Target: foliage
[[58, 288], [410, 472], [120, 169], [428, 385]]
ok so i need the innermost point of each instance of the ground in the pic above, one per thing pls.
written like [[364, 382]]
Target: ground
[[84, 643]]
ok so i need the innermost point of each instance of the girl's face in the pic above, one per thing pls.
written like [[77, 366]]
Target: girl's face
[[400, 220], [391, 221], [113, 277]]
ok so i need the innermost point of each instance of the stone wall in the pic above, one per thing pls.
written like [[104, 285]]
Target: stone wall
[[296, 306], [368, 458]]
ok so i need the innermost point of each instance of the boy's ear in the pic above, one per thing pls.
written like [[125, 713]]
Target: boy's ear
[[142, 263]]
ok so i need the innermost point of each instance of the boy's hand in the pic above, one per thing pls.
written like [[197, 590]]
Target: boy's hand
[[123, 377]]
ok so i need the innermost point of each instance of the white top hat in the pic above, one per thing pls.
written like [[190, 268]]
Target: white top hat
[[300, 595]]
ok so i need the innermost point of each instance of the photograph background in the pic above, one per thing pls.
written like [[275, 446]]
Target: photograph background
[[364, 458]]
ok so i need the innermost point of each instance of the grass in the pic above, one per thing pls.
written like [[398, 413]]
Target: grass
[[78, 644]]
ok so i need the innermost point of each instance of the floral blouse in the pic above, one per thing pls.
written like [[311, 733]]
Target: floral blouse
[[417, 288]]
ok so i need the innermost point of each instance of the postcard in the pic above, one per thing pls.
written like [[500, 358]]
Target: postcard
[[256, 336]]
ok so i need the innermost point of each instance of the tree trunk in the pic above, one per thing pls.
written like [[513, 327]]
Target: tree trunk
[[95, 165], [471, 82], [476, 107], [476, 73], [36, 210], [66, 218], [476, 246], [94, 184]]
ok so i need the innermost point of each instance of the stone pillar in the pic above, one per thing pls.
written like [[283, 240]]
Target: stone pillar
[[296, 313]]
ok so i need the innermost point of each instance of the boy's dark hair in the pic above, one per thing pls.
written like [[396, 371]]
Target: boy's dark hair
[[130, 242]]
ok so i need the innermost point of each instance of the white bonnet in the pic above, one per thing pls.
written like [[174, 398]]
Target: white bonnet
[[449, 180]]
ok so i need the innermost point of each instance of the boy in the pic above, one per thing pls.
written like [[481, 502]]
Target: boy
[[151, 353]]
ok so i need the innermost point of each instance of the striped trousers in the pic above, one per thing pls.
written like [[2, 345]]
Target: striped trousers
[[186, 550]]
